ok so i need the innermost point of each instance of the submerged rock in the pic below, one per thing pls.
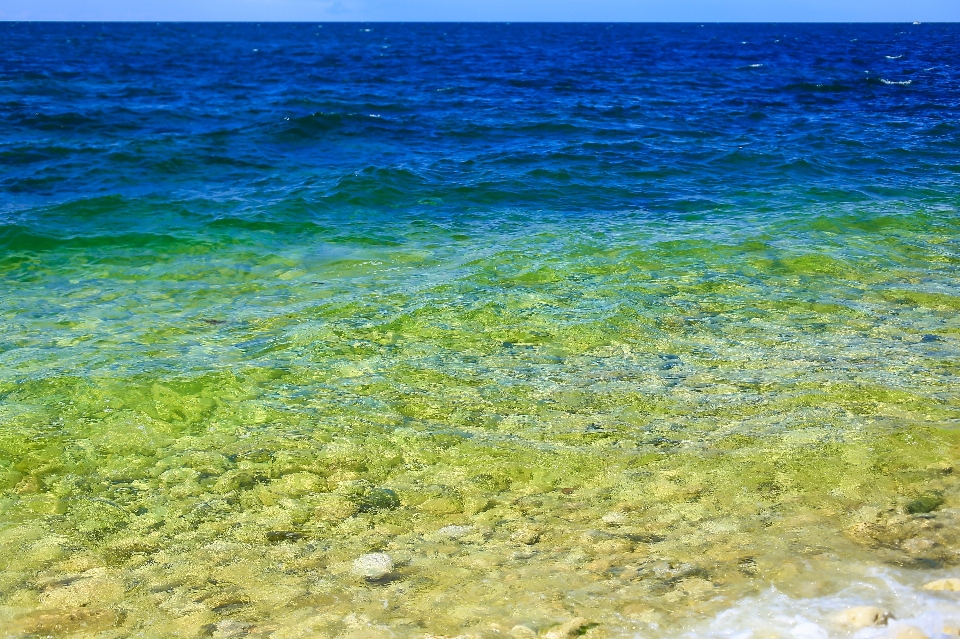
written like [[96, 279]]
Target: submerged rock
[[454, 531], [373, 566], [571, 628], [96, 585], [952, 584], [332, 508], [905, 631], [278, 536], [862, 617], [925, 503], [441, 506], [379, 499], [48, 622], [230, 629], [528, 535], [615, 518], [298, 484]]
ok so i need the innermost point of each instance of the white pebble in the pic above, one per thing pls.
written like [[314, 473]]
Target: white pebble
[[375, 565], [454, 532], [615, 518]]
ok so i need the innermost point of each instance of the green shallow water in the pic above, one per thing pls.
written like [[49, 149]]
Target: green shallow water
[[637, 421]]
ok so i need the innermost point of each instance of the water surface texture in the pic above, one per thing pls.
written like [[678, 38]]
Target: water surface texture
[[651, 325]]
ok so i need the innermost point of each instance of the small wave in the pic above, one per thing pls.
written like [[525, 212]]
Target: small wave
[[817, 87], [894, 57], [899, 82], [22, 238], [315, 125], [774, 613], [376, 186]]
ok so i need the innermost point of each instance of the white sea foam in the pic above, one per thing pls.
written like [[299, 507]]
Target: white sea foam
[[894, 57], [774, 614], [900, 82]]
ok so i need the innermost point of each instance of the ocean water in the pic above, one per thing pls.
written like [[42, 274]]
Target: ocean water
[[650, 325]]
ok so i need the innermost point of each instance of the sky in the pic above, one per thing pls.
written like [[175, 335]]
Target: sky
[[488, 10]]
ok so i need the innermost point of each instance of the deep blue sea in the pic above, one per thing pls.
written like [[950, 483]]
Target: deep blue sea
[[478, 330], [670, 119]]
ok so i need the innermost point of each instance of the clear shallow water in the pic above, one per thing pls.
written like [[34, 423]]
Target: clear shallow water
[[597, 321]]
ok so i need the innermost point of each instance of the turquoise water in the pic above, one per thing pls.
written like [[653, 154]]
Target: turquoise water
[[508, 304]]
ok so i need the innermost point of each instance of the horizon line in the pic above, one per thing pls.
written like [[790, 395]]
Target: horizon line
[[335, 21]]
